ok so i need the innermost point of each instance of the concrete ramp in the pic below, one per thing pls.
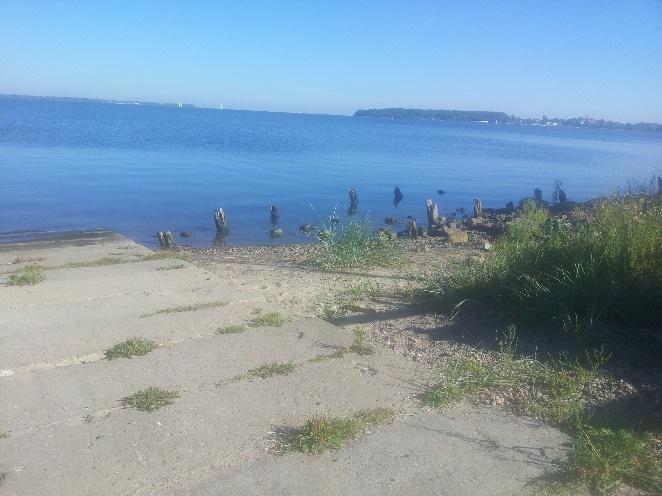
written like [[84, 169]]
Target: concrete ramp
[[65, 431]]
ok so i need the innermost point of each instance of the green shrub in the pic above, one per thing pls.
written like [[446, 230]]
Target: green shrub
[[546, 272]]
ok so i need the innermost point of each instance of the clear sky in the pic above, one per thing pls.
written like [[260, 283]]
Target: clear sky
[[556, 57]]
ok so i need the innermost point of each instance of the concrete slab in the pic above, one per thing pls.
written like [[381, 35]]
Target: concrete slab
[[468, 453]]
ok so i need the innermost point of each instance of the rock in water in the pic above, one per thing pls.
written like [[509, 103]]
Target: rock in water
[[306, 228], [185, 234], [397, 196], [391, 221], [441, 192], [276, 233]]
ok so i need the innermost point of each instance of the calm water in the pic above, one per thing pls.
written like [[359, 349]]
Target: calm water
[[138, 169]]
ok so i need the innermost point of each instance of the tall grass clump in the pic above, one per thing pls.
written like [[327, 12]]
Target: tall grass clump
[[354, 244], [605, 268]]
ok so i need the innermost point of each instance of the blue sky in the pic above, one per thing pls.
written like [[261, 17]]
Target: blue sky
[[561, 58]]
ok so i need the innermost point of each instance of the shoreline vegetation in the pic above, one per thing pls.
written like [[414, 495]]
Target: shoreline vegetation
[[504, 118]]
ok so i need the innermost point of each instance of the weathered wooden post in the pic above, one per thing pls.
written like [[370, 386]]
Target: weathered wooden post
[[273, 210], [353, 202], [166, 240], [433, 212], [411, 231], [397, 196], [478, 208], [562, 196], [537, 194], [219, 240], [221, 222]]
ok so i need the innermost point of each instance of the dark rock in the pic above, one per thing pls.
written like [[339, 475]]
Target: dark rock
[[276, 233], [441, 192], [306, 228], [185, 234], [391, 221]]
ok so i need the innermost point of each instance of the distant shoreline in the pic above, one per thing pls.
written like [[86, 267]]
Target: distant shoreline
[[489, 117]]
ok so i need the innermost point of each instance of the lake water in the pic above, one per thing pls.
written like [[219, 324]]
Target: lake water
[[139, 169]]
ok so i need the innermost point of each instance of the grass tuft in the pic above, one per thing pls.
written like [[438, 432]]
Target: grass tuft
[[339, 353], [130, 348], [324, 433], [188, 308], [269, 319], [171, 267], [359, 346], [354, 245], [150, 399], [272, 369], [344, 301], [101, 262], [166, 254], [28, 276], [231, 329]]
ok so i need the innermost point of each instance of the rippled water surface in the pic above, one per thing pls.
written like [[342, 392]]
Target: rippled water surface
[[138, 169]]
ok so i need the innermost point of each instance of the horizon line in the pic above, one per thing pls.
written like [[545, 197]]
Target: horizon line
[[191, 105]]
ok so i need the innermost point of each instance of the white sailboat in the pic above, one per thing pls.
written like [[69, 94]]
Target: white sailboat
[[180, 105]]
